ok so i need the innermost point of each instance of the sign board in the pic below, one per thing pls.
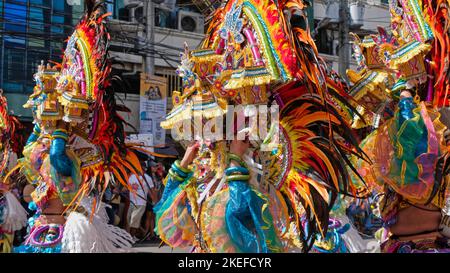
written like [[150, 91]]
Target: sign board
[[153, 107]]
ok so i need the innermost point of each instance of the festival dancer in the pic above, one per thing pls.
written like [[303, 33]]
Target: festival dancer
[[408, 151], [268, 194], [13, 216], [77, 147]]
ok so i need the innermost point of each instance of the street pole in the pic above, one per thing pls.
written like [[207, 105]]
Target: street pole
[[344, 29], [149, 12]]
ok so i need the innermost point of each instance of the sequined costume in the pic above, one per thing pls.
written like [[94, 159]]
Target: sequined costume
[[12, 216], [407, 149]]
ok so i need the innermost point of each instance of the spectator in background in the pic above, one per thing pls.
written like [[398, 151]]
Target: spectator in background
[[152, 199], [115, 205], [125, 206], [138, 199], [107, 197]]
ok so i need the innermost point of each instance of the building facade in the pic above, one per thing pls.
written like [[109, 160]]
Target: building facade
[[31, 31]]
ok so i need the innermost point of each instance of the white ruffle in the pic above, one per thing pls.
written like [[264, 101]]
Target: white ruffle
[[84, 236], [16, 215]]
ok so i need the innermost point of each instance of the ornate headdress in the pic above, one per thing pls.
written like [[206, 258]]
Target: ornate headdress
[[79, 97], [421, 54]]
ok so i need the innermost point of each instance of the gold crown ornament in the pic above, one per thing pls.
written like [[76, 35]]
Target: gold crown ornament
[[45, 97], [75, 104]]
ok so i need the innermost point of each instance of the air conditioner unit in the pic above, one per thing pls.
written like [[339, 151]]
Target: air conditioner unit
[[357, 14], [136, 12], [191, 22], [332, 11]]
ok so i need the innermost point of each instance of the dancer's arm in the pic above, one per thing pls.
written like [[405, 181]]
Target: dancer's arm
[[180, 171], [58, 157], [34, 135]]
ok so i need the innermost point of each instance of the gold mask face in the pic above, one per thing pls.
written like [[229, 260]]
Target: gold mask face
[[202, 164], [210, 160]]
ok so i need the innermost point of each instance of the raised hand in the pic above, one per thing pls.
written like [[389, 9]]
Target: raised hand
[[189, 155]]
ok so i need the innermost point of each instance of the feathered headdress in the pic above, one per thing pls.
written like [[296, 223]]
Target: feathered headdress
[[86, 61], [422, 29]]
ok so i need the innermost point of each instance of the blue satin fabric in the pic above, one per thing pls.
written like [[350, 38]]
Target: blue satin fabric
[[33, 137], [422, 147], [171, 190], [170, 187], [243, 217], [59, 159], [178, 171], [406, 107], [32, 206]]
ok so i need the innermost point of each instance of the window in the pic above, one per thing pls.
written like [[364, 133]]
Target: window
[[57, 24], [120, 12], [36, 27], [77, 12], [165, 18], [139, 14], [117, 6], [174, 82], [36, 19], [13, 69], [58, 6], [15, 18], [110, 6], [40, 3], [56, 53], [33, 30], [1, 40], [324, 40]]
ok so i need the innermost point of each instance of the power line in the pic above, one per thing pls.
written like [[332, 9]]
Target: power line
[[42, 37]]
